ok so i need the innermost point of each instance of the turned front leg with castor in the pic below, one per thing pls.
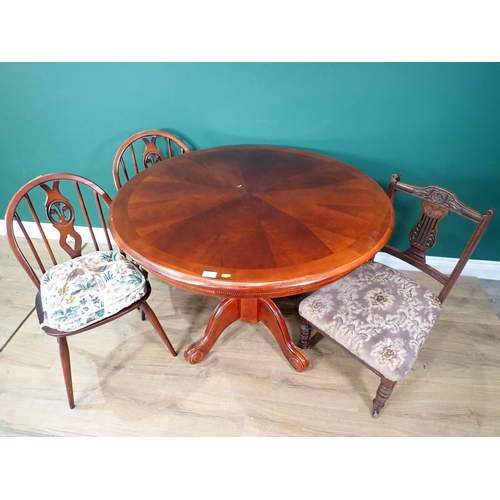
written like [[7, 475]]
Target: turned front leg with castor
[[384, 392]]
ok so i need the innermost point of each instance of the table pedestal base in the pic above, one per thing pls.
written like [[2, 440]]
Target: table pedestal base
[[252, 311]]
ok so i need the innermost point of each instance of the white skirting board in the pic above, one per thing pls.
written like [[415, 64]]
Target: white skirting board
[[53, 234], [483, 269]]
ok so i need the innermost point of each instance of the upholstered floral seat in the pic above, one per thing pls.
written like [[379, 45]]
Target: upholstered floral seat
[[377, 313], [88, 289]]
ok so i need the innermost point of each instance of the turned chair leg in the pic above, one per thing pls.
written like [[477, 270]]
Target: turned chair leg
[[66, 366], [143, 314], [305, 333], [384, 392], [157, 326]]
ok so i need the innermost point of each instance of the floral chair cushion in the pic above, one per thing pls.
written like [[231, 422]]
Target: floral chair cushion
[[377, 313], [88, 289]]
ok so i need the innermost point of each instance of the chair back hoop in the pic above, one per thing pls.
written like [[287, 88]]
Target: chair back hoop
[[437, 202], [140, 151], [69, 221]]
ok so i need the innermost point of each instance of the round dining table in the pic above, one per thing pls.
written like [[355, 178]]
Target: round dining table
[[248, 224]]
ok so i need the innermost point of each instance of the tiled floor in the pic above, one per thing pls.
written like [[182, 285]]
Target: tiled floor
[[492, 289]]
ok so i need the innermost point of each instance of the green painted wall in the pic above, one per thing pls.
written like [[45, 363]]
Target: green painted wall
[[436, 123]]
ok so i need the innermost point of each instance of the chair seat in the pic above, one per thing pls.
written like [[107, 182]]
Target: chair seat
[[377, 313], [88, 289]]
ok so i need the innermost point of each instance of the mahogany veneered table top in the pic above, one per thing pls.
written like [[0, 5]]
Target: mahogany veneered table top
[[251, 222]]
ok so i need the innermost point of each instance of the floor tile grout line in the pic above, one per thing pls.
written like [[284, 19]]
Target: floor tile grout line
[[17, 329]]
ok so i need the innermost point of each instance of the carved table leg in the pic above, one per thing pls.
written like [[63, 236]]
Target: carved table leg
[[271, 316], [248, 310], [227, 312]]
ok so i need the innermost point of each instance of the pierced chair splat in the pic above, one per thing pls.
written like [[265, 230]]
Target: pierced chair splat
[[80, 286], [142, 150], [377, 313]]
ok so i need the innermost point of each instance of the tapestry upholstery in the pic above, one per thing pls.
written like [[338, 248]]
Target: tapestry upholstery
[[90, 288], [377, 313]]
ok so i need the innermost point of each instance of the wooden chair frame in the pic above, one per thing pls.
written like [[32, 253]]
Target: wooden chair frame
[[437, 202], [61, 214], [149, 156]]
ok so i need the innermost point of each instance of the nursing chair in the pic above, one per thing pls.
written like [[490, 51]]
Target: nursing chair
[[82, 283], [143, 150], [378, 314]]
